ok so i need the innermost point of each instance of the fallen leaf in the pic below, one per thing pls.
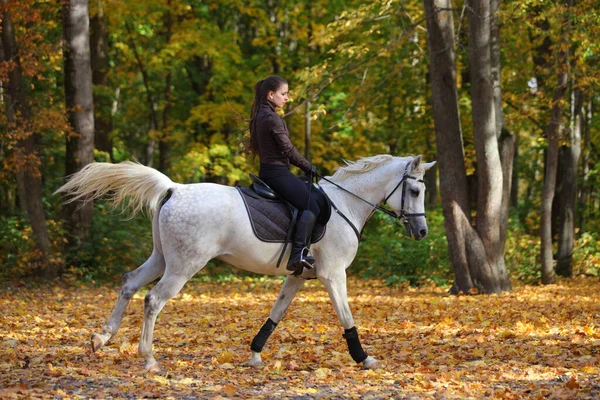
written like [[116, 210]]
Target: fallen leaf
[[321, 373], [572, 383], [229, 390]]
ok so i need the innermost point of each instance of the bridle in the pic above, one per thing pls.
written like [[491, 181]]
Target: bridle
[[403, 215]]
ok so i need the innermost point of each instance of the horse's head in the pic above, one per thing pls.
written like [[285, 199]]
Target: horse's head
[[407, 198]]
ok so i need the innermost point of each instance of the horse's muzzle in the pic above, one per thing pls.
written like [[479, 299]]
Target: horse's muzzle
[[417, 234]]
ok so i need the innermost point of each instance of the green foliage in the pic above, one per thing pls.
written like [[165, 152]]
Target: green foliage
[[386, 253], [214, 163], [586, 257], [522, 249], [18, 254], [117, 245]]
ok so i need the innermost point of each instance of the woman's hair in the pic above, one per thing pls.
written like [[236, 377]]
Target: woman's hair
[[261, 89]]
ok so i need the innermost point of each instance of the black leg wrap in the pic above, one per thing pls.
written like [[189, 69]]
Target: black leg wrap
[[356, 350], [261, 337]]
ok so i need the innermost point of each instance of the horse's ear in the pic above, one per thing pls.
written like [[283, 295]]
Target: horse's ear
[[428, 165], [416, 162]]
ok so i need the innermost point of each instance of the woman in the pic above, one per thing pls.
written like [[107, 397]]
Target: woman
[[270, 139]]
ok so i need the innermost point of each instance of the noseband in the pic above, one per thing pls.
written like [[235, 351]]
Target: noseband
[[403, 215], [376, 207]]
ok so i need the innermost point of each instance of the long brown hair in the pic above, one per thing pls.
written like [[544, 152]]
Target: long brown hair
[[261, 89]]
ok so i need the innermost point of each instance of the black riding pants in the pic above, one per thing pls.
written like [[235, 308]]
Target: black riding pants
[[289, 187]]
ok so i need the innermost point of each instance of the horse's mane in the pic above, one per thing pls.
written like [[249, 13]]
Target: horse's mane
[[363, 164]]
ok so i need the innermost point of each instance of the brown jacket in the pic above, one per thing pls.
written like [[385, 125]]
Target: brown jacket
[[274, 145]]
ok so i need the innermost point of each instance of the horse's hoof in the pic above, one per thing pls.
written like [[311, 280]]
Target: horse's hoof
[[152, 367], [255, 360], [371, 363], [96, 342], [255, 364]]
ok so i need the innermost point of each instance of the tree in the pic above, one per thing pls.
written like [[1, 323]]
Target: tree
[[476, 252], [26, 154], [568, 160], [80, 110], [585, 189], [492, 199], [100, 68], [552, 133], [453, 181], [506, 139]]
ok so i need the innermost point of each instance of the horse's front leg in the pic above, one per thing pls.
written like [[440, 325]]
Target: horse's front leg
[[336, 287], [288, 291]]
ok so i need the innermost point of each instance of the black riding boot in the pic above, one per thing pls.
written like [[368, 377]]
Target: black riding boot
[[300, 257]]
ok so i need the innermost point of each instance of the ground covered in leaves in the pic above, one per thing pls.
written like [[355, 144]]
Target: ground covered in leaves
[[536, 342]]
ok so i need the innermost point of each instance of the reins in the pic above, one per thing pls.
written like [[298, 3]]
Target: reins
[[403, 215]]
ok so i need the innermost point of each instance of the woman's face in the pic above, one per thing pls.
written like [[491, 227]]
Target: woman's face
[[280, 96]]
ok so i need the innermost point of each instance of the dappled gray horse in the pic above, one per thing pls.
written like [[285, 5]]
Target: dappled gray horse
[[195, 223]]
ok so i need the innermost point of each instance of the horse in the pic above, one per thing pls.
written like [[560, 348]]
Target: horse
[[194, 223]]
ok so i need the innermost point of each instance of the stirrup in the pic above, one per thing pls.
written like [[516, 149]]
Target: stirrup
[[306, 261], [306, 258]]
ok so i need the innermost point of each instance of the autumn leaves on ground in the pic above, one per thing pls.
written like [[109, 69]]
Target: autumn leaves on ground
[[536, 342]]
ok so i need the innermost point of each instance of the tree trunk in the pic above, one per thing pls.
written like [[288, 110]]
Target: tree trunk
[[431, 184], [541, 61], [10, 201], [493, 276], [453, 181], [152, 106], [80, 109], [100, 68], [569, 155], [584, 188], [431, 177], [21, 191], [514, 187], [163, 140], [552, 135], [27, 149], [163, 144], [506, 139], [476, 255]]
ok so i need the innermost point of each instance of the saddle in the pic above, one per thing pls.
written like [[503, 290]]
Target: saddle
[[273, 219]]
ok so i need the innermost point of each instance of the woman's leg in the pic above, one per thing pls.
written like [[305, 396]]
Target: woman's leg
[[296, 192], [293, 190]]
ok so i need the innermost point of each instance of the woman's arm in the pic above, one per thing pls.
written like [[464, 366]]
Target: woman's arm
[[282, 137]]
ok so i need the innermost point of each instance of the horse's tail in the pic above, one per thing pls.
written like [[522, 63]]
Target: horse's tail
[[132, 184]]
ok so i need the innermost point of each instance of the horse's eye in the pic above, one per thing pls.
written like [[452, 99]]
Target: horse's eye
[[414, 192]]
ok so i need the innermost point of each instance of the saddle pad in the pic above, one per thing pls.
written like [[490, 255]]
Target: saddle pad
[[270, 219]]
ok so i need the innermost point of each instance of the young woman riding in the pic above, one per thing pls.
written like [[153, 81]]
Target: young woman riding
[[270, 139]]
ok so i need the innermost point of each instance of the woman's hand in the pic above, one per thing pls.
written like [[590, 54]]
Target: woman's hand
[[312, 172]]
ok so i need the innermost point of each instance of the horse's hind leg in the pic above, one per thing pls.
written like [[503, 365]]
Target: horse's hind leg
[[168, 286], [132, 282], [287, 293]]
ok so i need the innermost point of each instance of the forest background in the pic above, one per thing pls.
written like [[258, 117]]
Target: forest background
[[172, 86]]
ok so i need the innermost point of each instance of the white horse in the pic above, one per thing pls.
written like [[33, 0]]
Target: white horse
[[195, 223]]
